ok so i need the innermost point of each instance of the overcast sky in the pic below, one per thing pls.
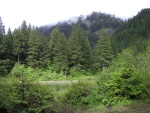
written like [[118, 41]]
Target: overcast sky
[[42, 12]]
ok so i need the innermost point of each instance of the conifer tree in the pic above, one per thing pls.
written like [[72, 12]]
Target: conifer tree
[[20, 39], [79, 48], [37, 52], [58, 50], [7, 51], [2, 27], [61, 57], [2, 33], [103, 51], [33, 49], [24, 35], [44, 54], [17, 44], [53, 40], [7, 45], [2, 68]]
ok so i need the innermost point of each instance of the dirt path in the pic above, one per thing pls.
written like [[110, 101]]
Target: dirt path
[[58, 82]]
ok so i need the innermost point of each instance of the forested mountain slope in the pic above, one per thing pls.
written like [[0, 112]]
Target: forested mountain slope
[[134, 33], [92, 24]]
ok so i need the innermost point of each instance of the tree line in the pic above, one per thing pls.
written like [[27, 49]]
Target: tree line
[[26, 45], [74, 46]]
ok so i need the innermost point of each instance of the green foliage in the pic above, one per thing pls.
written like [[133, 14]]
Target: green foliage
[[37, 98], [2, 27], [20, 40], [18, 71], [99, 20], [122, 80], [79, 48], [6, 56], [58, 51], [134, 33], [80, 94], [143, 69], [33, 50], [103, 53], [23, 96], [36, 56]]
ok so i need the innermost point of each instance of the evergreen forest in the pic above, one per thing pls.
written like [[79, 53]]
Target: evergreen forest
[[93, 65]]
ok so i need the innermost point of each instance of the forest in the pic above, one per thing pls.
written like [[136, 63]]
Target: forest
[[107, 57]]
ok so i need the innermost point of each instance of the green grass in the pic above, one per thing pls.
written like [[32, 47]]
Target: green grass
[[129, 108]]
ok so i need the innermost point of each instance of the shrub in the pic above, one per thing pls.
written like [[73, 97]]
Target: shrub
[[18, 97], [121, 81], [22, 95], [18, 71], [80, 94]]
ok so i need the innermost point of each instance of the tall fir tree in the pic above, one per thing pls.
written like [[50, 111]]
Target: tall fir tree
[[44, 53], [58, 51], [2, 64], [2, 71], [2, 33], [7, 45], [2, 27], [103, 51], [79, 48], [17, 44], [55, 34], [61, 57], [24, 35], [7, 51], [37, 53], [33, 49], [20, 40]]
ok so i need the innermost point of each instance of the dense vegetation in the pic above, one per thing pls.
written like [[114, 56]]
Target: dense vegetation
[[109, 57]]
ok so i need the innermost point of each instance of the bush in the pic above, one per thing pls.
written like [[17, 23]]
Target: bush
[[18, 97], [18, 71], [80, 94], [122, 81], [21, 95]]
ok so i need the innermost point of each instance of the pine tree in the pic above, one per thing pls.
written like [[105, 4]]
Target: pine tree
[[1, 40], [58, 50], [17, 44], [7, 51], [2, 68], [79, 48], [7, 45], [2, 62], [53, 40], [103, 51], [24, 35], [61, 57], [44, 53], [37, 53], [2, 27], [33, 49], [20, 40], [2, 33]]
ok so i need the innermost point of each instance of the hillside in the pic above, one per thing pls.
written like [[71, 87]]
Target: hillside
[[134, 33], [91, 23]]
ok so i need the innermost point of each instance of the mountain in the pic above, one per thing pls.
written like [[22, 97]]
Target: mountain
[[91, 23], [134, 33]]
